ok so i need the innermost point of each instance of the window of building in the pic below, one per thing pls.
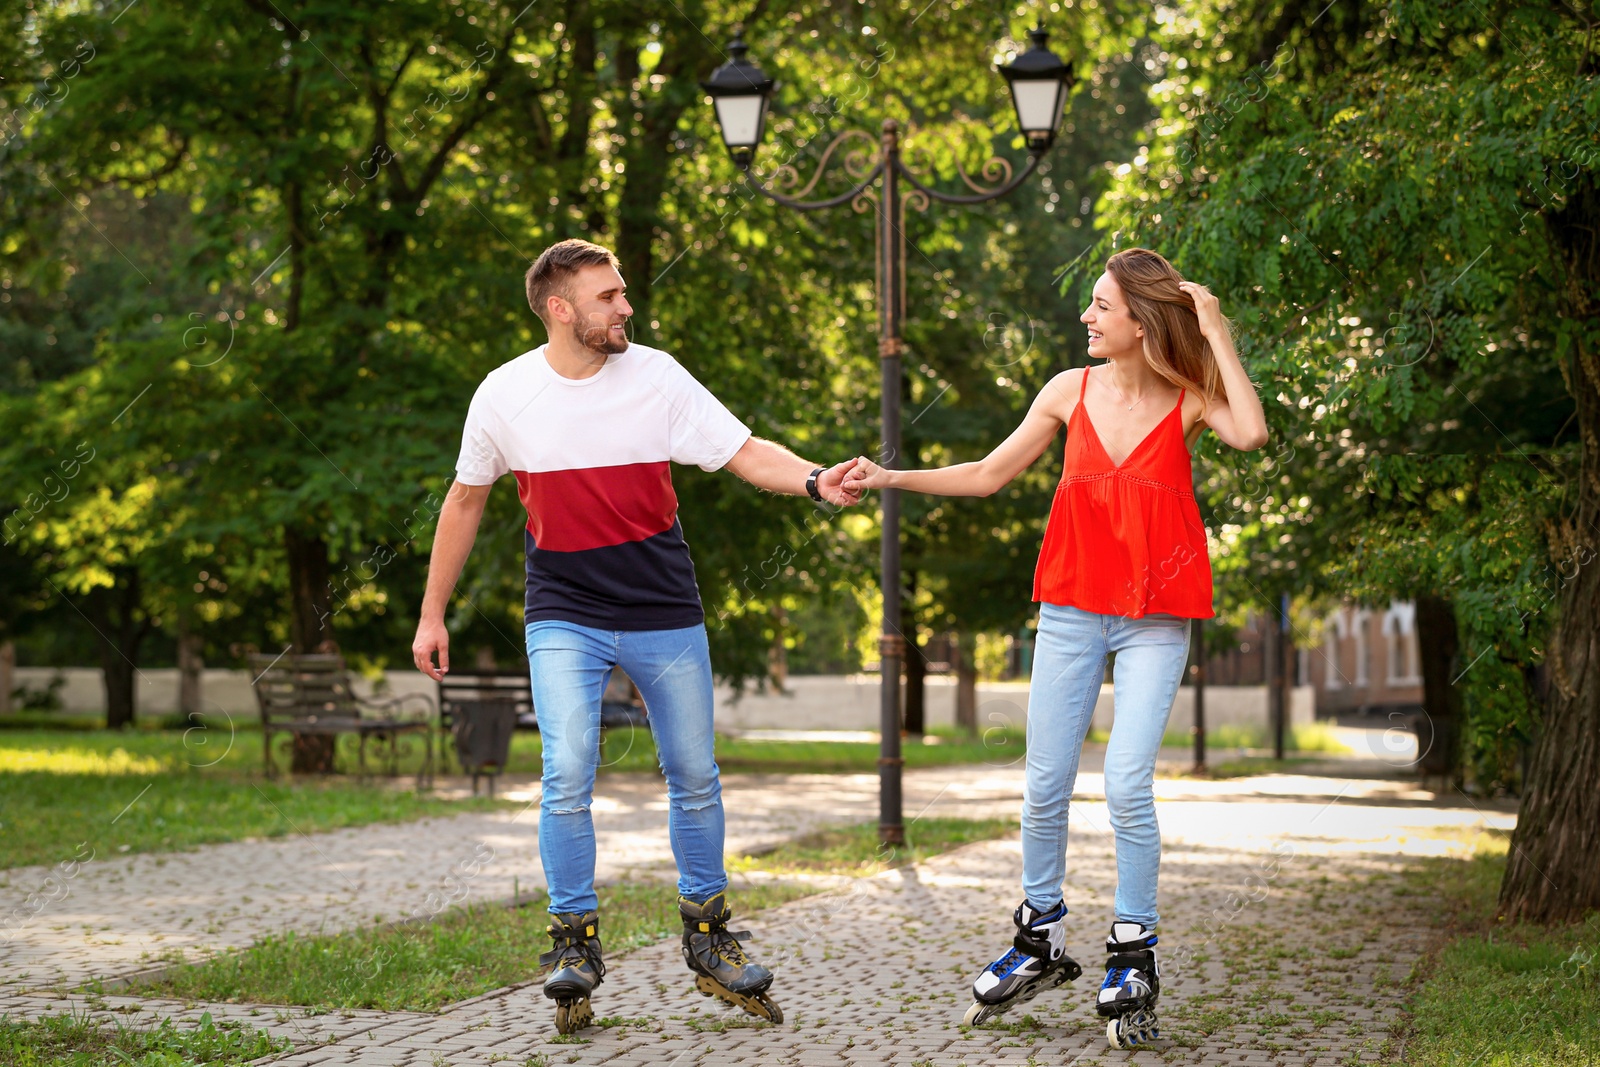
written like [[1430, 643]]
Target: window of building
[[1334, 631], [1400, 633], [1360, 619]]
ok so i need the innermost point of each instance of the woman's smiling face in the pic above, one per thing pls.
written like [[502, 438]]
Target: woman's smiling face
[[1112, 329]]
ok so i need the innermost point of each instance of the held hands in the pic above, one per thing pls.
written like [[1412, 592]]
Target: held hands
[[866, 475], [835, 487], [1206, 307]]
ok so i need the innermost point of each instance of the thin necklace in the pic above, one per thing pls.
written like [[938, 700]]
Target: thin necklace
[[1123, 397]]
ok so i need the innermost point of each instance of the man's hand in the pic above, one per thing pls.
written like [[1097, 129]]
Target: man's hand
[[834, 487], [431, 637]]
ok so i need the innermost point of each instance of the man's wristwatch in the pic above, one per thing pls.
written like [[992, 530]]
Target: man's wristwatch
[[811, 485]]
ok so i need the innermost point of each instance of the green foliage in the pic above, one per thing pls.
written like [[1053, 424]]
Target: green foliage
[[1514, 995], [256, 260], [69, 794], [427, 964], [78, 1041], [1375, 195], [856, 850], [75, 796]]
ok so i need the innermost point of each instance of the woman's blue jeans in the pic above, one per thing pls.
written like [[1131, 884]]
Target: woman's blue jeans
[[672, 668], [1069, 663]]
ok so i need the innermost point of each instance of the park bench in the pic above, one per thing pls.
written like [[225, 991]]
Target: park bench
[[308, 701], [480, 709]]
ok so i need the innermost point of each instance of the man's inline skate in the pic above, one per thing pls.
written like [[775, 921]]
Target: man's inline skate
[[714, 954], [578, 968], [1036, 961], [1133, 983]]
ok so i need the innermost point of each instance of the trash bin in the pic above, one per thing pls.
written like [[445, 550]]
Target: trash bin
[[482, 731]]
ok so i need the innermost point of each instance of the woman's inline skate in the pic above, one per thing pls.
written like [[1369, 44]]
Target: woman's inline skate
[[1036, 961], [1128, 996]]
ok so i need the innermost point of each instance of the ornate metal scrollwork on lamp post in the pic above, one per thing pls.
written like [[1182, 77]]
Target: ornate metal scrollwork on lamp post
[[1039, 83]]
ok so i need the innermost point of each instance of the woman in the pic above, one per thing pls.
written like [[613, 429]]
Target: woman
[[1123, 566]]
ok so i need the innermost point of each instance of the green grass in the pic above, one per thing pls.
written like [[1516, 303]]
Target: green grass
[[1502, 994], [1247, 766], [67, 794], [1313, 737], [67, 791], [464, 952], [633, 750], [855, 849], [75, 1041], [424, 966]]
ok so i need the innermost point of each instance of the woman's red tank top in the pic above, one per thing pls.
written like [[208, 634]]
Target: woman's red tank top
[[1126, 539]]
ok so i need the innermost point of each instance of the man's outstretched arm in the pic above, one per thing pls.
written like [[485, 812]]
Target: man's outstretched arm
[[458, 528], [768, 465]]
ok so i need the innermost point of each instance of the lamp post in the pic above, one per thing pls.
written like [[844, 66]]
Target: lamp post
[[1039, 83]]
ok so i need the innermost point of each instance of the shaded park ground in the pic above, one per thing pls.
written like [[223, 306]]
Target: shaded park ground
[[1308, 919]]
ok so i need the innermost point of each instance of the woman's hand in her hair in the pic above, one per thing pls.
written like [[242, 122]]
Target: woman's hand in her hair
[[1205, 306]]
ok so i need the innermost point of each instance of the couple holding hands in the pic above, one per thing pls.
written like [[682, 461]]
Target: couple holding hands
[[589, 425]]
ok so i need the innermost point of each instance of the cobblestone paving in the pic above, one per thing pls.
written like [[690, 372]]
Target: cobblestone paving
[[1284, 941], [122, 911]]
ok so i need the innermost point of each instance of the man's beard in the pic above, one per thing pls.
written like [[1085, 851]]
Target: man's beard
[[599, 339]]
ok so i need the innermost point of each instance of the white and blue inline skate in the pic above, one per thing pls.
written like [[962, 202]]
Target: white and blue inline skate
[[1128, 996], [1036, 961]]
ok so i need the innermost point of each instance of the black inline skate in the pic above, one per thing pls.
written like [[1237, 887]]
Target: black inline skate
[[1133, 983], [1036, 961], [714, 954], [578, 968]]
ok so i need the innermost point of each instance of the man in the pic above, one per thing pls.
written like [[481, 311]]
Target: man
[[588, 424]]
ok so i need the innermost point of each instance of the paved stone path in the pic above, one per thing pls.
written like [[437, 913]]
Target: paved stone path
[[1286, 937]]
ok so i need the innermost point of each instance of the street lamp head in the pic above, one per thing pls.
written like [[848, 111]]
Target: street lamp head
[[1039, 85], [740, 92]]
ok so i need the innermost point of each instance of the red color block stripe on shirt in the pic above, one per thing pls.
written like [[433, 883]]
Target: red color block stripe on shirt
[[575, 510]]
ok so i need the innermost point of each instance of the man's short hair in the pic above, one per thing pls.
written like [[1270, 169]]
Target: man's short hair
[[552, 273]]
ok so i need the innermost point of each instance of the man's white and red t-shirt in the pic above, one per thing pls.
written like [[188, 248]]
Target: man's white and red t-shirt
[[591, 457]]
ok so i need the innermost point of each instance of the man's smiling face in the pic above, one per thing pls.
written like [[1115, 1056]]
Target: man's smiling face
[[598, 310]]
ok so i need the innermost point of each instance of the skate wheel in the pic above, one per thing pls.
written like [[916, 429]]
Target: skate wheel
[[773, 1013], [981, 1013], [573, 1015], [1132, 1030], [758, 1004]]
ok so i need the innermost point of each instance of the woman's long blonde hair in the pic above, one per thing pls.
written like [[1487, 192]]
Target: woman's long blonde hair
[[1173, 344]]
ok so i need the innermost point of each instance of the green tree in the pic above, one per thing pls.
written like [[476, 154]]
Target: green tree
[[1398, 205]]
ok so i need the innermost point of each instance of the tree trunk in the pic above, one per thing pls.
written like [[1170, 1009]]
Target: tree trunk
[[1553, 872], [916, 663], [310, 591], [1271, 676], [686, 56], [8, 674], [966, 685], [190, 666], [1439, 731], [118, 616], [778, 653], [311, 629]]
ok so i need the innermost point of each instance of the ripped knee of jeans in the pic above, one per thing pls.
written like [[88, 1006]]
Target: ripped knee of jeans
[[576, 809]]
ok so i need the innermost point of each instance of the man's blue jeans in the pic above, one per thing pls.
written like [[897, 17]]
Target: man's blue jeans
[[672, 668], [1068, 666]]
